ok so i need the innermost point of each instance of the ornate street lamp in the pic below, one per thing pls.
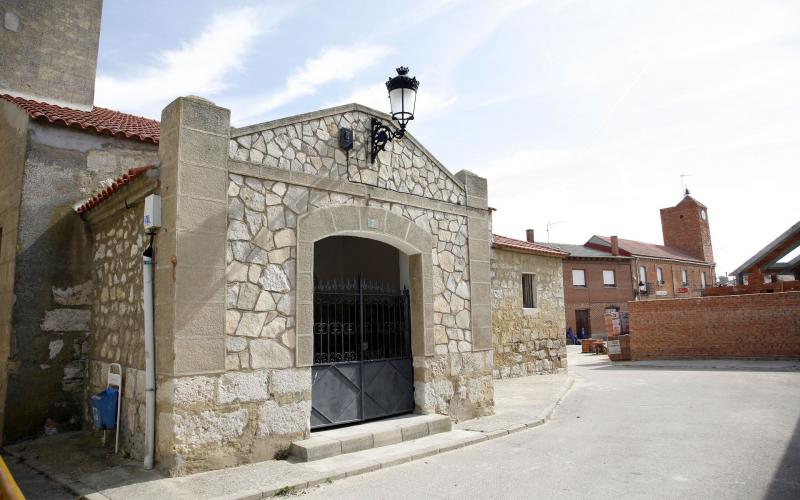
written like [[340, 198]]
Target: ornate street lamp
[[402, 98]]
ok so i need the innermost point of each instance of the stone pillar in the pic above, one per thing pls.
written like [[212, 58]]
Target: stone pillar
[[479, 243], [190, 251], [190, 270]]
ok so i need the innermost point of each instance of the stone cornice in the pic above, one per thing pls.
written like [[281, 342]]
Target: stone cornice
[[362, 190]]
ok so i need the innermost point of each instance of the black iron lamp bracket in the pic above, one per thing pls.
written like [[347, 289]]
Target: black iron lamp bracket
[[382, 134]]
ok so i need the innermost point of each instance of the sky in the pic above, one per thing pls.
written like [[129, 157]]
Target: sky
[[582, 115]]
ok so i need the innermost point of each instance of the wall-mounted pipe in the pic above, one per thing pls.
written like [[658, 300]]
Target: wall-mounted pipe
[[149, 357]]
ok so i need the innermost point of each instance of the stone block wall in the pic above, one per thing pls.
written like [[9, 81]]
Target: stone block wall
[[48, 49], [527, 341], [761, 325], [13, 134]]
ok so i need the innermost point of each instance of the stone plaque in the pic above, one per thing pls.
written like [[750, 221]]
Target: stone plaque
[[613, 347]]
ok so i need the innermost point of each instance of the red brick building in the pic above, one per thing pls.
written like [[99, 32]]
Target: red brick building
[[605, 273]]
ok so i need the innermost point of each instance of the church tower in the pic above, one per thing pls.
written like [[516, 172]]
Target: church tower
[[685, 227]]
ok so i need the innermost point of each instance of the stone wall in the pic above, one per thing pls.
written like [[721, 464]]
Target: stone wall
[[48, 49], [527, 341], [248, 397], [117, 334], [261, 283], [13, 133], [310, 145], [53, 272]]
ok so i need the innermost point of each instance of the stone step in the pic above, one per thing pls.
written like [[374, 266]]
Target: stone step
[[329, 443]]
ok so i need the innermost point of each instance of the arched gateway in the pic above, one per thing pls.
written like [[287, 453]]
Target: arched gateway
[[363, 275]]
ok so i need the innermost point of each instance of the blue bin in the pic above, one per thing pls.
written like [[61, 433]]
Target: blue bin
[[104, 408]]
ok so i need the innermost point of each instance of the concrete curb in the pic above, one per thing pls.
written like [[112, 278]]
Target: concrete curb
[[542, 418]]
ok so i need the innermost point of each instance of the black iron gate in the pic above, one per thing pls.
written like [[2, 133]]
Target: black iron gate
[[362, 353]]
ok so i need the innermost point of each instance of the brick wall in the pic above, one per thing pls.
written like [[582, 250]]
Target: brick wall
[[671, 273], [742, 326], [594, 296], [684, 227]]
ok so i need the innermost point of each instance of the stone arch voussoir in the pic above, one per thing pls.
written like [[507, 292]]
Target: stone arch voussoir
[[372, 223]]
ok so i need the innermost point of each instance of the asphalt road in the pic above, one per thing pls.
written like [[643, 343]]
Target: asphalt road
[[623, 432]]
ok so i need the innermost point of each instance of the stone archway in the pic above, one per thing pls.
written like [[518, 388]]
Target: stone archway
[[376, 224]]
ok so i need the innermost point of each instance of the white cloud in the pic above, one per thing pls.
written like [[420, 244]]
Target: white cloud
[[199, 66], [334, 64]]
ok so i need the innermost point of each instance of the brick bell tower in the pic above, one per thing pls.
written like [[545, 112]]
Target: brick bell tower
[[685, 227]]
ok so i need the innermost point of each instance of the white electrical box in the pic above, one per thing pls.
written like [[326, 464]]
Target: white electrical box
[[152, 213]]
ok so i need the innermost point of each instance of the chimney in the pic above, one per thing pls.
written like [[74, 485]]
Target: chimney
[[614, 245], [529, 235]]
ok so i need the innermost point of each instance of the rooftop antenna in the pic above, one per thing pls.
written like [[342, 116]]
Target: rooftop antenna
[[549, 224], [684, 186]]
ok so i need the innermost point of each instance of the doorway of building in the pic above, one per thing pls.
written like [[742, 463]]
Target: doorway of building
[[582, 322], [362, 344]]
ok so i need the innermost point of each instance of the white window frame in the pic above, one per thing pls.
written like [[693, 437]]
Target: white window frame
[[643, 275], [702, 279], [613, 275], [684, 277], [583, 277], [660, 275]]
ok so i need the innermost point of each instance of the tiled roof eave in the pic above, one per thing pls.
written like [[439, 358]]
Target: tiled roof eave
[[100, 197], [530, 251], [99, 120], [671, 259]]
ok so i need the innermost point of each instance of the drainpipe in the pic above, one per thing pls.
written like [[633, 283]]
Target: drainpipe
[[149, 357]]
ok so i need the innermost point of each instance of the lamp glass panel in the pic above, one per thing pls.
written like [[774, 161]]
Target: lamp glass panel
[[402, 102]]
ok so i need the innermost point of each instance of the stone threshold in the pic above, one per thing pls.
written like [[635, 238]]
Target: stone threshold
[[329, 443]]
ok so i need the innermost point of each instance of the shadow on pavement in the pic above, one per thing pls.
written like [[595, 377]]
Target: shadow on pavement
[[78, 462], [786, 481], [601, 362]]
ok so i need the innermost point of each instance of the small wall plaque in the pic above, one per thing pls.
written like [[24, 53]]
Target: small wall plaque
[[346, 138], [372, 223]]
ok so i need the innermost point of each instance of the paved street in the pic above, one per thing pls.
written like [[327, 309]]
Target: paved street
[[626, 432]]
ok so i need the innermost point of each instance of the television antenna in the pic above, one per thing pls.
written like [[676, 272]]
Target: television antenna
[[549, 225], [684, 186]]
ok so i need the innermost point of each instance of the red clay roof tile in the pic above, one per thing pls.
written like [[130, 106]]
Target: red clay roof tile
[[117, 184], [99, 120], [652, 250], [526, 246]]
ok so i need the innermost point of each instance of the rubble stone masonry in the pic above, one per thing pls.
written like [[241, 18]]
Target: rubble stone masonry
[[764, 325], [527, 341], [117, 320]]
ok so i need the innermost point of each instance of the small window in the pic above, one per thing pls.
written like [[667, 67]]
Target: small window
[[528, 290], [684, 277], [642, 275], [608, 278], [703, 279], [660, 275], [578, 277]]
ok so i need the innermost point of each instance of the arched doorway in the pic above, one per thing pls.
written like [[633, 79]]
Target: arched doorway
[[362, 366]]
